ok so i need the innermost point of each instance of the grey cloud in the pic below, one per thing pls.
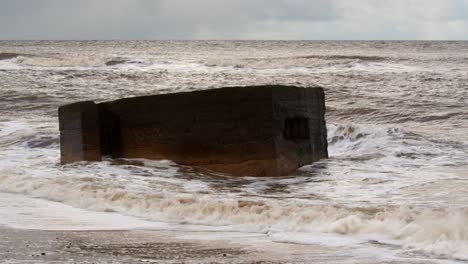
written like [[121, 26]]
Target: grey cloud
[[233, 19], [58, 19]]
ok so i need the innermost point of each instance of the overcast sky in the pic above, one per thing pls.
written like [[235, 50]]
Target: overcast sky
[[234, 19]]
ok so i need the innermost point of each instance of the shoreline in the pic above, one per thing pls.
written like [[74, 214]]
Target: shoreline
[[151, 246], [39, 246], [39, 231], [143, 246]]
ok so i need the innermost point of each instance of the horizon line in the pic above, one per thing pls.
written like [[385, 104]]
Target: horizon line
[[188, 39]]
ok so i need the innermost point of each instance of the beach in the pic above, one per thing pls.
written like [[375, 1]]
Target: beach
[[35, 246], [50, 232]]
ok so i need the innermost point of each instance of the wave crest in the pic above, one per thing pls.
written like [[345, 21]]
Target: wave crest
[[115, 61], [440, 231], [344, 57], [8, 55]]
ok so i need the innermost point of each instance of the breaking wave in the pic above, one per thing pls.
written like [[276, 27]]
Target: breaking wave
[[8, 55], [440, 231], [115, 61], [341, 64], [57, 62], [158, 192], [343, 57]]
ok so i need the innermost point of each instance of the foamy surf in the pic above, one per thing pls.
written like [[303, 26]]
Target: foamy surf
[[18, 211], [198, 67], [439, 231]]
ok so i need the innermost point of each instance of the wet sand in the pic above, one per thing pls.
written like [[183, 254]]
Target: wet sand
[[36, 246], [143, 246]]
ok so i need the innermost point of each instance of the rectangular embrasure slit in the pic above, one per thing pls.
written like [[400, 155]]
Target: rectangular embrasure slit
[[296, 128]]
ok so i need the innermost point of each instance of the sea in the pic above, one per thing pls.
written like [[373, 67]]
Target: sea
[[395, 186]]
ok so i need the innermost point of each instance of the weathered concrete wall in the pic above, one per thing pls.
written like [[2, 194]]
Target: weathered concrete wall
[[299, 128], [79, 132], [257, 131]]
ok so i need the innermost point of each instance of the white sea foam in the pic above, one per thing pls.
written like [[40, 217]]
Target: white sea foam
[[18, 211], [440, 231], [153, 193], [194, 67], [57, 62], [9, 65], [332, 218], [199, 68]]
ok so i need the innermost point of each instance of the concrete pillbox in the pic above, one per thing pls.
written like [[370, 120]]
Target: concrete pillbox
[[266, 130]]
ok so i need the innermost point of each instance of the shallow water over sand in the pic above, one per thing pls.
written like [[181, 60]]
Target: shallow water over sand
[[397, 124]]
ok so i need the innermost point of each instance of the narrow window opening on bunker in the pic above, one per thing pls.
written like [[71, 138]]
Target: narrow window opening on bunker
[[296, 128]]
